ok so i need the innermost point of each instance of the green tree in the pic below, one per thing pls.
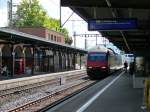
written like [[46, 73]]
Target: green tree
[[68, 39], [31, 14]]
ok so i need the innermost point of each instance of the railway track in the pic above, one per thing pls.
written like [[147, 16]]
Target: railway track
[[51, 97], [26, 88], [18, 90], [11, 95]]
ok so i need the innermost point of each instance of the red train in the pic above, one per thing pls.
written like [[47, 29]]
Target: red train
[[102, 62]]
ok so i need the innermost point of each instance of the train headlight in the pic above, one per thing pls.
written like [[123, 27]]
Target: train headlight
[[89, 67], [103, 67]]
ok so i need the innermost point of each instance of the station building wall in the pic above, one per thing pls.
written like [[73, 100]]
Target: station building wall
[[44, 33]]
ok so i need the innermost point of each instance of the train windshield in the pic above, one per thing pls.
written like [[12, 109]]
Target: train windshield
[[97, 56]]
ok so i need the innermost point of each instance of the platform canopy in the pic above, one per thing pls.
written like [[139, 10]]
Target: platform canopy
[[136, 40], [14, 37]]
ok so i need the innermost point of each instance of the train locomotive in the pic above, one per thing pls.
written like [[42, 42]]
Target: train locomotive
[[102, 62]]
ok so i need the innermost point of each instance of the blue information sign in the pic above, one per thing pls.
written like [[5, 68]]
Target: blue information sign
[[112, 24]]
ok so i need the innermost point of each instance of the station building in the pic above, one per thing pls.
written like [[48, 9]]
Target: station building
[[44, 33], [43, 52]]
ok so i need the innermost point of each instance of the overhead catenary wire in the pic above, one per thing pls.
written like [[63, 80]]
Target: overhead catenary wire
[[114, 15]]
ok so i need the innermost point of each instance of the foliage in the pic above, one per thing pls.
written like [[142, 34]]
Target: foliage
[[31, 14], [68, 40]]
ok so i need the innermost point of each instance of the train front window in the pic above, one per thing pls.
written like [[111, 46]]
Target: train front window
[[97, 57]]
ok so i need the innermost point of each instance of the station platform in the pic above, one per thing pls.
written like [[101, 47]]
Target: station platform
[[8, 77], [113, 94]]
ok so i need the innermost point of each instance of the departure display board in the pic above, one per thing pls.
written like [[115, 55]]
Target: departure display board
[[112, 24]]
